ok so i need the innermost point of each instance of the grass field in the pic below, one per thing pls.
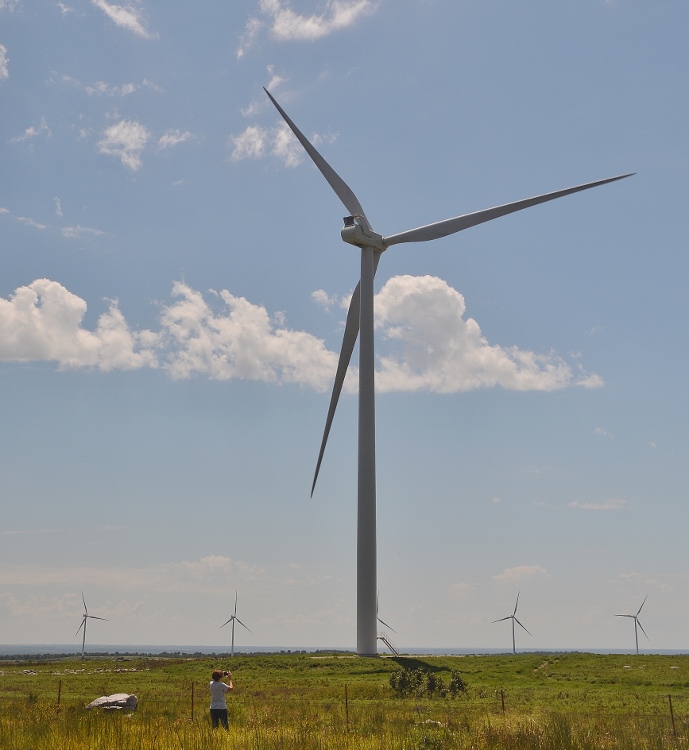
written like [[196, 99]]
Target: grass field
[[558, 701]]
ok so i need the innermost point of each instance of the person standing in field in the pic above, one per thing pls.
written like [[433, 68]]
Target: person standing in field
[[218, 704]]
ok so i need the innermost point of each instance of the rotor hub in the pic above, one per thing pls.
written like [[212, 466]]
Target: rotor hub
[[357, 231]]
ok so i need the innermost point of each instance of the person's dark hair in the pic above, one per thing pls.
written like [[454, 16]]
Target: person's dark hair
[[217, 675]]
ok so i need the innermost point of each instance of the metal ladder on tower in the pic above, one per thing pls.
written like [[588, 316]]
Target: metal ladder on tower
[[386, 640]]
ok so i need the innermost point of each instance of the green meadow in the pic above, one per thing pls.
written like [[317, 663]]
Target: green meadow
[[559, 701]]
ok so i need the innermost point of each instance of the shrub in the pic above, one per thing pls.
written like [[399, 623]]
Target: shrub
[[421, 683]]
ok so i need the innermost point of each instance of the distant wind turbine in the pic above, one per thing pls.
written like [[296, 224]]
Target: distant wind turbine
[[358, 232], [84, 617], [234, 619], [514, 619], [637, 623]]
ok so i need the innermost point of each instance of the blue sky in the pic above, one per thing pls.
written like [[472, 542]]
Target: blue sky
[[171, 308]]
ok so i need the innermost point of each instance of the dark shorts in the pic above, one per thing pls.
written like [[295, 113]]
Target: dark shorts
[[219, 715]]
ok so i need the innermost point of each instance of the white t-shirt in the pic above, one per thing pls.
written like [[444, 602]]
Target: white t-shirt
[[218, 690]]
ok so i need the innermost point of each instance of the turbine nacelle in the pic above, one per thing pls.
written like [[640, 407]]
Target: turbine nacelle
[[357, 231]]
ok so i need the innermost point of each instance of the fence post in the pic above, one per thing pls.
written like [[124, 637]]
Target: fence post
[[502, 698], [672, 716], [59, 692], [346, 708], [192, 700]]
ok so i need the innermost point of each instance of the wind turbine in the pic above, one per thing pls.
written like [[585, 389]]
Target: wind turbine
[[514, 619], [234, 619], [84, 617], [357, 231], [636, 622]]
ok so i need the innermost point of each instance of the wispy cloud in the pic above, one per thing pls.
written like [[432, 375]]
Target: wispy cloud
[[613, 503], [646, 580], [26, 220], [208, 575], [173, 137], [279, 142], [4, 70], [126, 17], [32, 132], [58, 207], [79, 231], [64, 9], [30, 222], [126, 140], [284, 24], [102, 88], [520, 573], [603, 433]]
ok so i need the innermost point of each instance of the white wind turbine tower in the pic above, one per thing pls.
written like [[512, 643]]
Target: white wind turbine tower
[[84, 617], [234, 619], [357, 231], [514, 619], [637, 623]]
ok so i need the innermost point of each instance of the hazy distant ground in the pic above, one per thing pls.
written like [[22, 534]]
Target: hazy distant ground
[[70, 648]]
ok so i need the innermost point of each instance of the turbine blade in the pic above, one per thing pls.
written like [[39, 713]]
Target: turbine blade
[[227, 623], [458, 223], [502, 619], [235, 602], [242, 624], [632, 616], [642, 605], [516, 604], [93, 617], [642, 628], [83, 622], [342, 190], [84, 600], [348, 342], [521, 626], [386, 625]]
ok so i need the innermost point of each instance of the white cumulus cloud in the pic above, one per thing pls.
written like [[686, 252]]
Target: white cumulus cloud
[[42, 321], [126, 139], [434, 348], [284, 24], [426, 343], [126, 17], [240, 341], [521, 572]]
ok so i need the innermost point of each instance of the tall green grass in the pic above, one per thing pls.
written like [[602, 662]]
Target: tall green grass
[[563, 702]]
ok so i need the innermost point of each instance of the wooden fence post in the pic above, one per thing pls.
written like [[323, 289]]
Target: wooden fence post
[[192, 700], [59, 692], [346, 708], [502, 698], [672, 716]]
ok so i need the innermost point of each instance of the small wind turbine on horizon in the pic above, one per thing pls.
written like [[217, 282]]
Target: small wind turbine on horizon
[[358, 232], [637, 623], [514, 619], [234, 619], [84, 617]]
